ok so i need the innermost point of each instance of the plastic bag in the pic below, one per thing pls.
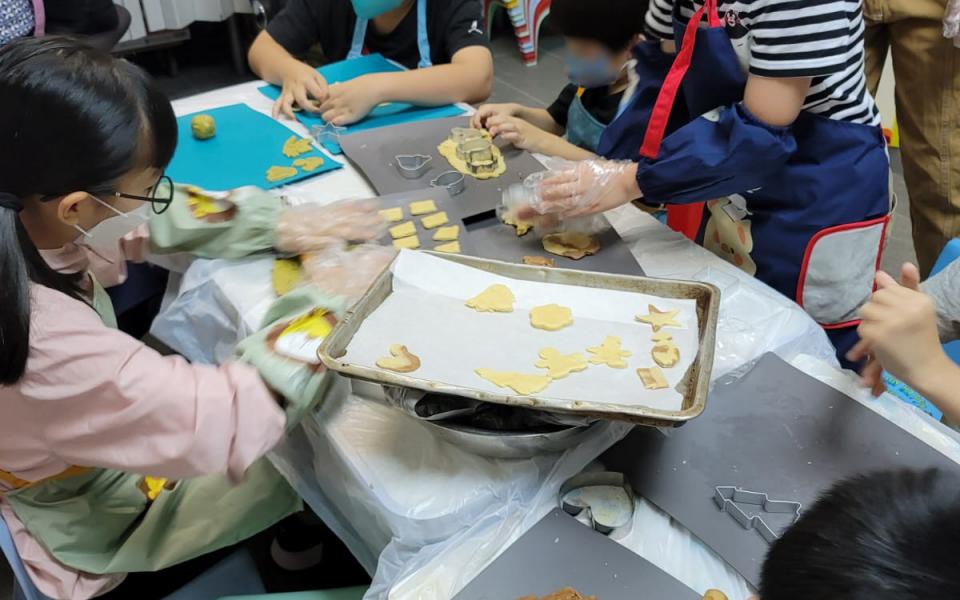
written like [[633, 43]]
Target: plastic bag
[[310, 227], [347, 272]]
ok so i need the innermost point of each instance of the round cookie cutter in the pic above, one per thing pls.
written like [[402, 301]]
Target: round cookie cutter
[[453, 181], [412, 166]]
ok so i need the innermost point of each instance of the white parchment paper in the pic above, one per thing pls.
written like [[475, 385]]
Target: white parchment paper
[[426, 313]]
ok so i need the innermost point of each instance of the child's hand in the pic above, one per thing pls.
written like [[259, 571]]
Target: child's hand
[[302, 85], [508, 109], [349, 101], [518, 132], [899, 333]]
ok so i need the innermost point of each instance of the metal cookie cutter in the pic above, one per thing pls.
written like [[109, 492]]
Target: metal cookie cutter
[[452, 180], [413, 166], [727, 496], [328, 136], [606, 497]]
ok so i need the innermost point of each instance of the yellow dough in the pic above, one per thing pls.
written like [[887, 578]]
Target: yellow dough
[[447, 234], [400, 360], [666, 355], [662, 336], [560, 365], [422, 207], [609, 353], [539, 261], [295, 146], [286, 275], [571, 244], [475, 154], [403, 230], [658, 319], [435, 220], [203, 127], [653, 378], [714, 595], [392, 215], [450, 248], [551, 317], [280, 173], [519, 382], [496, 298], [408, 243], [522, 227], [310, 163]]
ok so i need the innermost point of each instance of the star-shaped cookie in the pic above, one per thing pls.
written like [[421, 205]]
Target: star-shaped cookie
[[658, 319]]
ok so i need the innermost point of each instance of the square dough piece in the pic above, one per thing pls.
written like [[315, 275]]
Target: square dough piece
[[392, 215], [403, 230], [447, 234], [408, 243], [422, 207], [451, 248], [435, 220]]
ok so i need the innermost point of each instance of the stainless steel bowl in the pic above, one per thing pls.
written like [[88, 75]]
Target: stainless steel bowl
[[510, 444]]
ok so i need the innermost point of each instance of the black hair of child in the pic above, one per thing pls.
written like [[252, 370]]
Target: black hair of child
[[613, 23], [888, 535], [73, 119]]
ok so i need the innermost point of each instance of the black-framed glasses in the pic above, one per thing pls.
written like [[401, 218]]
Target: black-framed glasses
[[160, 198]]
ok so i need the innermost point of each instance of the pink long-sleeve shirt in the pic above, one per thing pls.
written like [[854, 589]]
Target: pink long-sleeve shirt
[[95, 397]]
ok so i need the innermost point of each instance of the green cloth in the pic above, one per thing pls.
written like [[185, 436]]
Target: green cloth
[[354, 593], [247, 227]]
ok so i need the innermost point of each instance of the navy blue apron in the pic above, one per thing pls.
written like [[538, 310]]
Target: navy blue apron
[[583, 129], [814, 230]]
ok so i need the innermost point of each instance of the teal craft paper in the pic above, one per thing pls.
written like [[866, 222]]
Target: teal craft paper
[[247, 144], [385, 115]]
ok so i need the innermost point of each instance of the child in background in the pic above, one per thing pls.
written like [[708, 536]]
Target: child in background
[[441, 40], [903, 329], [891, 535], [598, 36]]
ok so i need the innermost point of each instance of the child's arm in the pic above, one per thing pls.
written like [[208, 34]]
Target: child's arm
[[538, 117], [531, 138], [468, 78], [944, 288], [300, 82], [899, 334]]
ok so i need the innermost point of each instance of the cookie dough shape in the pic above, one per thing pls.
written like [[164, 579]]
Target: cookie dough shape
[[472, 152], [609, 353], [539, 261], [496, 298], [422, 207], [447, 234], [714, 595], [653, 378], [435, 220], [408, 243], [276, 173], [310, 163], [286, 275], [551, 317], [571, 244], [392, 215], [560, 365], [400, 360], [658, 319], [203, 127], [403, 230], [520, 383], [449, 248], [522, 227], [295, 146], [667, 355]]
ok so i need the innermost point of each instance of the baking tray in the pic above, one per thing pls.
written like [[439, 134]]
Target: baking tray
[[561, 552], [693, 387], [777, 431]]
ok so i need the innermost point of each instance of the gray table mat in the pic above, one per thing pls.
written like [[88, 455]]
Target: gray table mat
[[560, 552], [444, 203], [775, 430]]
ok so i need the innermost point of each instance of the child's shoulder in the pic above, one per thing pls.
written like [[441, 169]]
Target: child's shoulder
[[54, 313]]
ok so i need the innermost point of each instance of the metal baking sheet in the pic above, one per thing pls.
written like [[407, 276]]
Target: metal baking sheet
[[374, 153], [560, 552], [692, 385], [777, 431]]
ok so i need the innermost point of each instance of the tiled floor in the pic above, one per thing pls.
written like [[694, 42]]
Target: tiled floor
[[209, 68]]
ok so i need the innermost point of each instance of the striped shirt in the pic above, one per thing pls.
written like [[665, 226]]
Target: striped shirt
[[820, 39]]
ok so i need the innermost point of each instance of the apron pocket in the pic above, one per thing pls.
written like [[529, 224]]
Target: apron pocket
[[838, 270]]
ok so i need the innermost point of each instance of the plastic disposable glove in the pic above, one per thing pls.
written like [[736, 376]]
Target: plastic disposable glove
[[347, 273], [311, 228], [584, 188]]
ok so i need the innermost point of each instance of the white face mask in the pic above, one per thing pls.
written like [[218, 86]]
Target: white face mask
[[109, 231]]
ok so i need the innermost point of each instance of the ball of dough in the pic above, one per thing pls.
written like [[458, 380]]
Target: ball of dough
[[203, 127]]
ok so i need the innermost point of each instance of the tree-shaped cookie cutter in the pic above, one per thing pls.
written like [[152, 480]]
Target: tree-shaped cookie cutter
[[412, 166], [453, 181], [727, 496]]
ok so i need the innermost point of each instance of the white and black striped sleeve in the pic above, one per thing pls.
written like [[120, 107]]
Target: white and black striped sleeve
[[659, 21], [800, 38]]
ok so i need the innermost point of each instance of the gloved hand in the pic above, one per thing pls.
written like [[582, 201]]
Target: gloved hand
[[584, 188], [310, 227], [951, 22], [347, 273]]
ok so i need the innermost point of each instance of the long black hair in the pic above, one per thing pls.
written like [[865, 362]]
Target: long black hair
[[73, 119]]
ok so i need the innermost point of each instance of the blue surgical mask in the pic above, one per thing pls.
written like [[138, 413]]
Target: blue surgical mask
[[591, 72], [368, 9]]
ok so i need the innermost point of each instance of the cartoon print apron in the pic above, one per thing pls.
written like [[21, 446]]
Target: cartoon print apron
[[814, 230], [423, 42], [583, 129]]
